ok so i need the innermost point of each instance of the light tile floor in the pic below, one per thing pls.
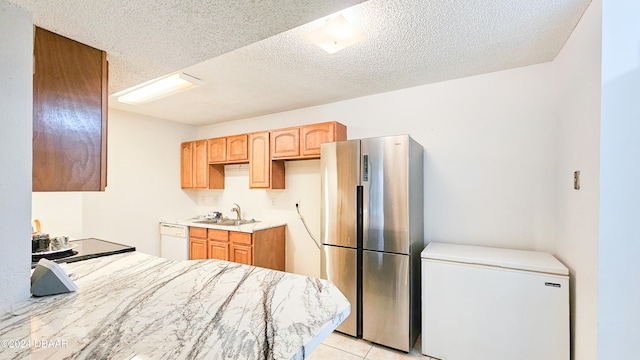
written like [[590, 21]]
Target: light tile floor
[[342, 347]]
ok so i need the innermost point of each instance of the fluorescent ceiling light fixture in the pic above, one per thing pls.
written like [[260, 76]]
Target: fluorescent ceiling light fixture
[[336, 35], [157, 88]]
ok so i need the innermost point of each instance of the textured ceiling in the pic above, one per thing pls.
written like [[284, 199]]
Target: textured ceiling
[[145, 39], [254, 60]]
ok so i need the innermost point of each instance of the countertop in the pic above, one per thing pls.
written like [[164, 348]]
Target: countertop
[[134, 305], [247, 228]]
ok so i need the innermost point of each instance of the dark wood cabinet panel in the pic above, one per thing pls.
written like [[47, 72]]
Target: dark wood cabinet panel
[[69, 115]]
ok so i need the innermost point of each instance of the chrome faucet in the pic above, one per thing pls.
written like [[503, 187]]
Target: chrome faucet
[[236, 209]]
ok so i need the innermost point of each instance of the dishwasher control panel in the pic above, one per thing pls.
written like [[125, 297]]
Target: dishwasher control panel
[[173, 230]]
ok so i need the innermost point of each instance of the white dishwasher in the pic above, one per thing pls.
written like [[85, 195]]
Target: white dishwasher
[[487, 303], [174, 241]]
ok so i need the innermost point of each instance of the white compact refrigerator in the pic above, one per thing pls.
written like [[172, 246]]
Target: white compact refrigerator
[[483, 303], [372, 231]]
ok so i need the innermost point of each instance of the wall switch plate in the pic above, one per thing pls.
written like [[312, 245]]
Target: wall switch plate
[[576, 179]]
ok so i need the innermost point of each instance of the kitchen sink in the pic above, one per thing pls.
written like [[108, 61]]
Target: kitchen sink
[[226, 222]]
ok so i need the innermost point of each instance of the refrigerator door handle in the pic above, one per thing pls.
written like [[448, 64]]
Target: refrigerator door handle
[[365, 167], [359, 215]]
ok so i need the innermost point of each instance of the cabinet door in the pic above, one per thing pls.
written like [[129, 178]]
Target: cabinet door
[[218, 250], [316, 134], [237, 148], [186, 165], [259, 167], [197, 249], [240, 238], [198, 232], [285, 143], [217, 150], [241, 254], [200, 165], [263, 173], [69, 115]]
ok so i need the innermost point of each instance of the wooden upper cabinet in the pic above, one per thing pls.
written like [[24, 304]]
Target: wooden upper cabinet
[[69, 115], [304, 142], [265, 152], [315, 134], [218, 150], [259, 169], [186, 165], [285, 143], [263, 172], [194, 167], [237, 148], [200, 165]]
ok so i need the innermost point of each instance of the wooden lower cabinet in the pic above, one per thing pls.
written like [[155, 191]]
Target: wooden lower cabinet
[[197, 249], [264, 248], [218, 243], [242, 254], [218, 250], [197, 243]]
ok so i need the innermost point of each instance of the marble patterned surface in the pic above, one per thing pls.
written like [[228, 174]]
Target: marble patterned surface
[[140, 306]]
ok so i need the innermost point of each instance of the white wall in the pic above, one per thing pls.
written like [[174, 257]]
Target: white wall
[[16, 69], [59, 213], [489, 170], [143, 185], [619, 242], [302, 184], [577, 99]]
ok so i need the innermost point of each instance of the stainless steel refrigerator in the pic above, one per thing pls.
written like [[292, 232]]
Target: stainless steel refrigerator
[[372, 233]]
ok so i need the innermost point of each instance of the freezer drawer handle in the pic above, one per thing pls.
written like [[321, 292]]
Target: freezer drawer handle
[[556, 285]]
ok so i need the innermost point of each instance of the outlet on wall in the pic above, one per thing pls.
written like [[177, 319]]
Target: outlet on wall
[[273, 202]]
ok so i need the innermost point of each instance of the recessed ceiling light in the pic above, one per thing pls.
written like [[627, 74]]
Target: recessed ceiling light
[[157, 88], [336, 35]]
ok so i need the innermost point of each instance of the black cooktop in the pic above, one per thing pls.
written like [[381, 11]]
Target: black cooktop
[[84, 249]]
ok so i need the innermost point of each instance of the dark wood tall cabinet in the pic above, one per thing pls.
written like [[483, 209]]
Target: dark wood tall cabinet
[[69, 115]]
